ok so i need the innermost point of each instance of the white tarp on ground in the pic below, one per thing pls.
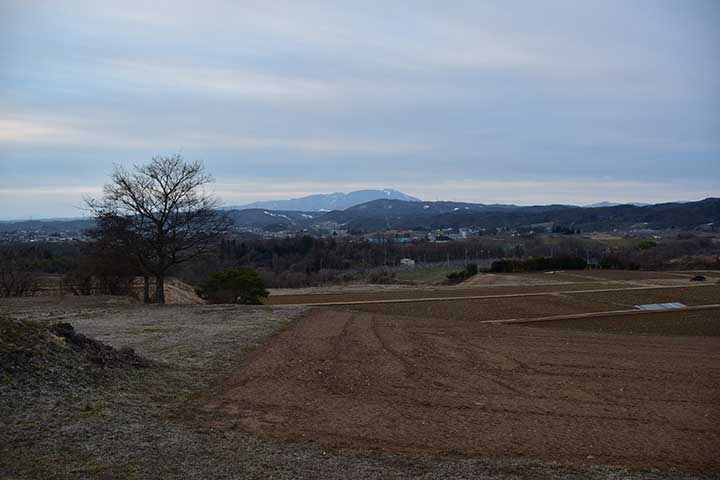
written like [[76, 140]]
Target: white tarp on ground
[[660, 306]]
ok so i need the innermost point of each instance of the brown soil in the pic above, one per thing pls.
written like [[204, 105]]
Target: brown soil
[[488, 308], [627, 274], [545, 305], [702, 295], [352, 379], [678, 322], [506, 279], [531, 278]]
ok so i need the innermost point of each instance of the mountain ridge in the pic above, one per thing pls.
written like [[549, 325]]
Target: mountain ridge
[[387, 214], [616, 204], [381, 215], [327, 201]]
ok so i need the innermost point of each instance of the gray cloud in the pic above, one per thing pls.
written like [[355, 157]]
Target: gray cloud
[[342, 94]]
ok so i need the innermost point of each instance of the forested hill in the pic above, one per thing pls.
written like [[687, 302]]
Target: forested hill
[[48, 225], [385, 214], [399, 215]]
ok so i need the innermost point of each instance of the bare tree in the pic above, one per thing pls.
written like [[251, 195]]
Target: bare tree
[[161, 214]]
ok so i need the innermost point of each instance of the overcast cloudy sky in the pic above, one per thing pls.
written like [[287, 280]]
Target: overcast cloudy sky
[[504, 101]]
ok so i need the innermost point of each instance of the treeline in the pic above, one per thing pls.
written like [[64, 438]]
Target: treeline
[[21, 265], [685, 251], [99, 267], [45, 257], [308, 254], [86, 267], [304, 260]]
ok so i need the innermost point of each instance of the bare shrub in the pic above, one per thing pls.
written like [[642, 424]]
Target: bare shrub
[[16, 279]]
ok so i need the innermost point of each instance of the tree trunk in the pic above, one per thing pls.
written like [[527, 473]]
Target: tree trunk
[[146, 289], [160, 289]]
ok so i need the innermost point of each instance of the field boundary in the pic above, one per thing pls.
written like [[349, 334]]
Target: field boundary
[[481, 297], [611, 313]]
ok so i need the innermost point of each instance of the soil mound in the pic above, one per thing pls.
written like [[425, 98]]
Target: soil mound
[[176, 291], [56, 353], [180, 293]]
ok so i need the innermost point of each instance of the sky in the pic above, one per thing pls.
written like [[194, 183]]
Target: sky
[[511, 101]]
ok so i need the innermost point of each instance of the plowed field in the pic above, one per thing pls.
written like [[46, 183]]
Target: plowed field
[[452, 385], [545, 305], [704, 322], [415, 293]]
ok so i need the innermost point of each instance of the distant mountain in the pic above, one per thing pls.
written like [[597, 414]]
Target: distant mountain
[[273, 220], [328, 202], [387, 214], [47, 225], [396, 214], [381, 215], [611, 204]]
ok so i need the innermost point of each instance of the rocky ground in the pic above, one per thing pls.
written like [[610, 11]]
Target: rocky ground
[[124, 422]]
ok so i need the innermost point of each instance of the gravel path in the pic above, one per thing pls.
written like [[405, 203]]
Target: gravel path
[[136, 426]]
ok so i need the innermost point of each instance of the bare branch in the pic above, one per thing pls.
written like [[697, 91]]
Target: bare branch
[[160, 212]]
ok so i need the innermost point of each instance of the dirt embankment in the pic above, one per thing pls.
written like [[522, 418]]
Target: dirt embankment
[[32, 352], [176, 291]]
